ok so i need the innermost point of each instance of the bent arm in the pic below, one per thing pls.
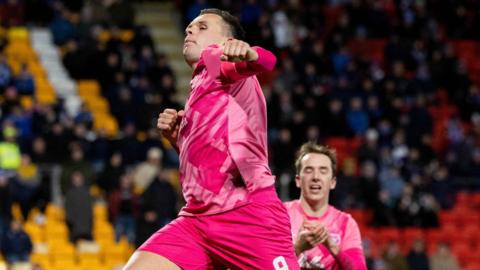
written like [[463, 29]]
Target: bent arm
[[351, 259], [234, 71]]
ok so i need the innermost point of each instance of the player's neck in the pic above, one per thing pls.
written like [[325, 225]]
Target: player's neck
[[314, 208]]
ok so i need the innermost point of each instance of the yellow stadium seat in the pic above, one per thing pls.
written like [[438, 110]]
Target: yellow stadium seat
[[104, 36], [70, 265], [103, 231], [100, 212], [114, 254], [16, 212], [127, 35], [34, 231], [97, 104], [18, 34], [26, 102], [56, 231], [54, 212], [46, 99], [62, 252], [88, 88]]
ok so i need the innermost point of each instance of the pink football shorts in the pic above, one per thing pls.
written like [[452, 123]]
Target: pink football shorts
[[253, 236]]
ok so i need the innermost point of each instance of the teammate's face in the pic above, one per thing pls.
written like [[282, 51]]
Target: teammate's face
[[316, 177], [203, 31]]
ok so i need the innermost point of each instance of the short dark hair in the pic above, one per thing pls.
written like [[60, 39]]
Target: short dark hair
[[309, 148], [232, 22]]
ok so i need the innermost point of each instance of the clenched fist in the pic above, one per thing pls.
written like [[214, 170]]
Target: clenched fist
[[169, 124], [235, 50]]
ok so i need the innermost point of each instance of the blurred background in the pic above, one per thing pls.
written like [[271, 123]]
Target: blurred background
[[392, 85]]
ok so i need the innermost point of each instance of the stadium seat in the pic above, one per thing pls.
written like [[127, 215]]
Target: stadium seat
[[464, 253], [35, 232]]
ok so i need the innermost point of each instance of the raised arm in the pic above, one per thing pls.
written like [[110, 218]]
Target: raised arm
[[236, 60]]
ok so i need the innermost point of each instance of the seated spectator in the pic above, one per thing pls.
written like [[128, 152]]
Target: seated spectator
[[417, 257], [79, 208], [393, 259], [16, 244], [443, 259]]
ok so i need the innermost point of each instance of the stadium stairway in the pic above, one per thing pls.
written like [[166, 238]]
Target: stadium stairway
[[164, 22]]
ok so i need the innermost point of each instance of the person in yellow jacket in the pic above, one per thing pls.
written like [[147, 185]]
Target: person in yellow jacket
[[10, 156]]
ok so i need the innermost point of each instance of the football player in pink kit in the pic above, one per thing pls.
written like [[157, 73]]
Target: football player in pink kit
[[325, 237], [233, 218]]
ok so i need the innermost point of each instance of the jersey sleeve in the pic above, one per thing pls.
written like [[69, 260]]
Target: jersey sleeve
[[235, 71], [351, 252]]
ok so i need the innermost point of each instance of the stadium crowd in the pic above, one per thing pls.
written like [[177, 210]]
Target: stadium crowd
[[389, 84]]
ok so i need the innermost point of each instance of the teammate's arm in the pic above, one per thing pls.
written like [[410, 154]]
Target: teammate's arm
[[169, 124]]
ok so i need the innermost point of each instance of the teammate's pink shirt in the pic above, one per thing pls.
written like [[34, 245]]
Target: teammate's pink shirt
[[342, 228], [223, 135]]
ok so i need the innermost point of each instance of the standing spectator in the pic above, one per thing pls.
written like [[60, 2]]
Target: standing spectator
[[77, 163], [16, 244], [123, 207], [26, 184], [10, 157], [158, 208], [79, 208], [109, 178], [146, 171], [5, 204], [5, 73]]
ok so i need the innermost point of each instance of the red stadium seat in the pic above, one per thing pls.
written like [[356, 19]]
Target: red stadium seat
[[464, 253], [409, 235]]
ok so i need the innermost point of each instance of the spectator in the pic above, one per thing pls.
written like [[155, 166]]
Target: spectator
[[12, 13], [5, 73], [79, 208], [158, 208], [109, 178], [393, 259], [417, 257], [357, 118], [26, 184], [443, 259], [10, 157], [145, 172], [24, 82], [124, 207], [77, 163], [16, 244], [5, 203]]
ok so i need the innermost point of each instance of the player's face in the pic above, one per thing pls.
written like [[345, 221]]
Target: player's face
[[316, 177], [203, 31]]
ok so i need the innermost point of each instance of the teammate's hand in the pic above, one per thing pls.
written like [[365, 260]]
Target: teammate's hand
[[235, 50], [169, 124]]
